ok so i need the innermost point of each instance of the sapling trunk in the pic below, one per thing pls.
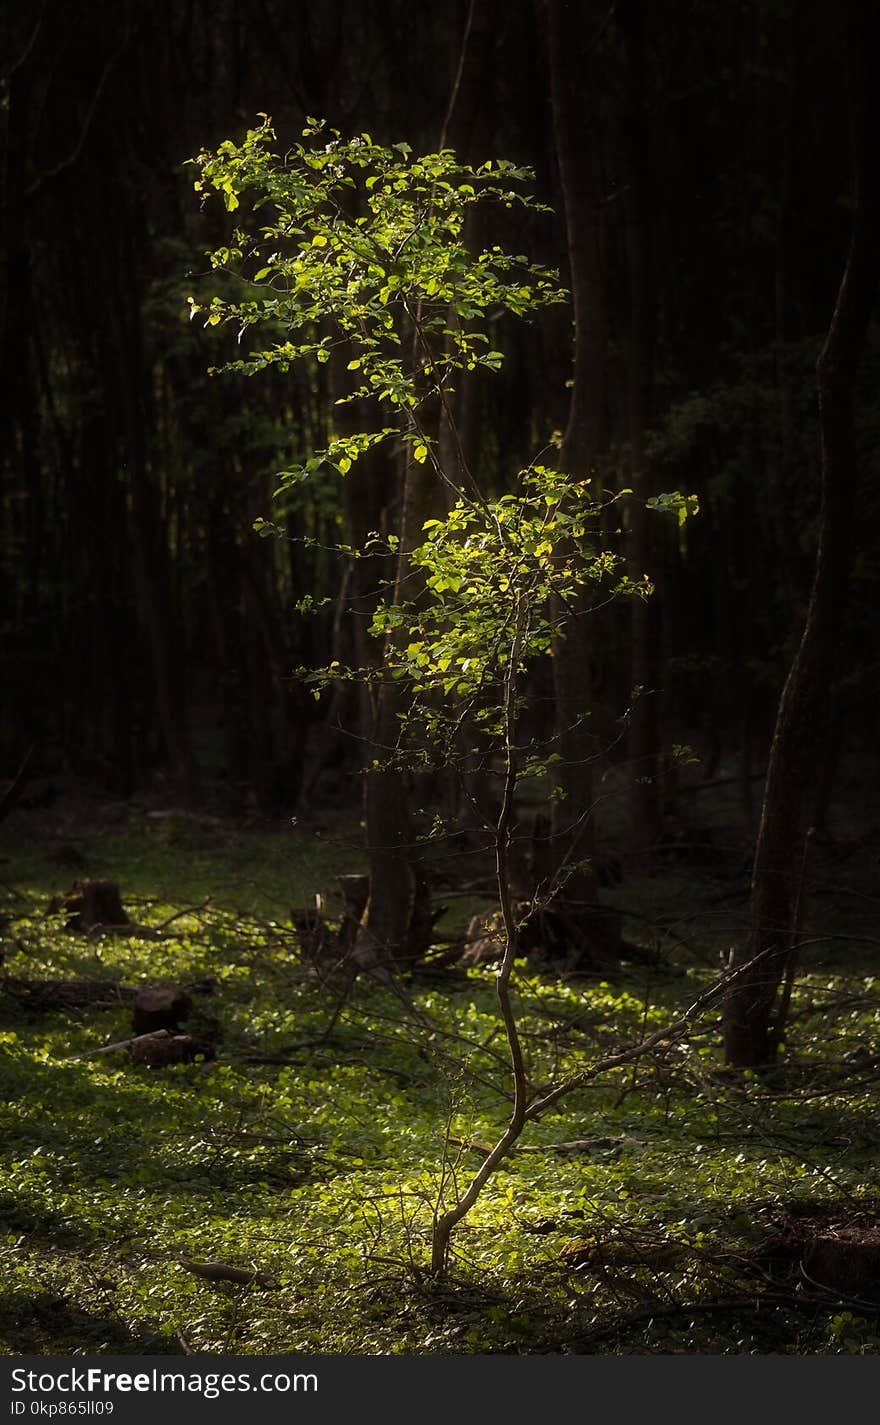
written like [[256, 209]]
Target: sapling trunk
[[446, 1222]]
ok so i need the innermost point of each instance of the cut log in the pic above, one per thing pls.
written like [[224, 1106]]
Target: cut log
[[159, 1053]]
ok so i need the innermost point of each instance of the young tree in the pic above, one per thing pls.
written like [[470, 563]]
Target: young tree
[[361, 253], [355, 248]]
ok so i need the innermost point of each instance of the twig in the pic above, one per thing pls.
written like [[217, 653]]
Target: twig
[[75, 152], [17, 63], [187, 910], [453, 97]]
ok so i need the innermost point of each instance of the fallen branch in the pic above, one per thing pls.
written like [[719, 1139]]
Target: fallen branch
[[67, 994], [575, 1145], [184, 1344], [120, 1044], [222, 1272]]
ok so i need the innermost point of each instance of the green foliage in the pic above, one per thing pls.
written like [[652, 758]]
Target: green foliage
[[675, 503], [365, 251], [498, 573], [356, 247], [312, 1167]]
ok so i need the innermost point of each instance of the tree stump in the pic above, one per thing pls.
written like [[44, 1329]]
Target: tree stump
[[355, 889], [91, 904], [846, 1262], [564, 934], [160, 1007]]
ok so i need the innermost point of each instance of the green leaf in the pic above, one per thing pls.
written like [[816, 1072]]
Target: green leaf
[[420, 452]]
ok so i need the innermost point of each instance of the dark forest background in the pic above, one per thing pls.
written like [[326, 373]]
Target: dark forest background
[[699, 161]]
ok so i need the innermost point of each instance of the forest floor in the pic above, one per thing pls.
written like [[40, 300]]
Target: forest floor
[[702, 1211]]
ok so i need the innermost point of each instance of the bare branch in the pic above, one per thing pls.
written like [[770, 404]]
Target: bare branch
[[638, 1051], [75, 152], [16, 64]]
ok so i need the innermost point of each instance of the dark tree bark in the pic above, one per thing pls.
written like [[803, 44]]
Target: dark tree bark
[[378, 494], [644, 728], [127, 377], [586, 435], [754, 1012], [396, 923]]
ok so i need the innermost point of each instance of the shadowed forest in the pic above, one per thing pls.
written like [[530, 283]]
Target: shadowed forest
[[439, 533]]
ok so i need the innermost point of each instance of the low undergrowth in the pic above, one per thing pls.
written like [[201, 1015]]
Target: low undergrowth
[[653, 1212]]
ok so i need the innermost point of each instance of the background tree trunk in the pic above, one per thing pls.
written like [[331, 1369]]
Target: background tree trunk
[[751, 1029], [586, 435], [643, 744]]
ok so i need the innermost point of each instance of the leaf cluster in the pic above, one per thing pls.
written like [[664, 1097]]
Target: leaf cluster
[[498, 574], [358, 248]]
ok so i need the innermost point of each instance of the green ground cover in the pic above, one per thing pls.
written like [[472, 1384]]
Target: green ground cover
[[310, 1148]]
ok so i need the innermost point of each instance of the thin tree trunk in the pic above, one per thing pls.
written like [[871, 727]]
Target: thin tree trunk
[[752, 1027], [445, 1221]]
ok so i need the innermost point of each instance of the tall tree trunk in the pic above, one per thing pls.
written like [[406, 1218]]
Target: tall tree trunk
[[644, 727], [753, 1022], [396, 920], [150, 560], [370, 493], [586, 433]]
